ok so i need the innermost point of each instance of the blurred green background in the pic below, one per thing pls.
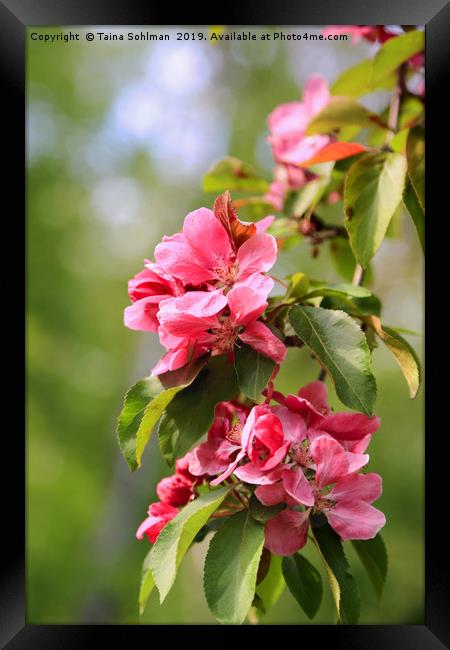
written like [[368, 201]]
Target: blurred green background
[[118, 136]]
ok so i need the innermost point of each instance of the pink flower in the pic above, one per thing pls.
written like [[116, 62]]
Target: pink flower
[[224, 440], [347, 505], [287, 533], [175, 490], [182, 468], [262, 442], [350, 512], [204, 252], [159, 515], [288, 124], [212, 321], [146, 291], [352, 430], [286, 177]]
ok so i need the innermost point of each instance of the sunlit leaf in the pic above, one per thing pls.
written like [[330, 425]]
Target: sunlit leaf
[[343, 585], [231, 567], [341, 347], [402, 351], [234, 175], [372, 192], [176, 537]]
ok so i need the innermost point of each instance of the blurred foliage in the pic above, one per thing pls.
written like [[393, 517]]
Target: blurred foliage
[[119, 135]]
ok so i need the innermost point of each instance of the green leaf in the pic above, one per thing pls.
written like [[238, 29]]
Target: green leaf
[[232, 174], [415, 155], [147, 583], [176, 537], [353, 306], [155, 392], [341, 347], [394, 52], [373, 555], [404, 354], [415, 210], [298, 285], [263, 513], [304, 582], [357, 80], [164, 388], [253, 370], [344, 261], [341, 112], [372, 192], [191, 413], [253, 208], [343, 585], [231, 567], [344, 289], [411, 112], [271, 588]]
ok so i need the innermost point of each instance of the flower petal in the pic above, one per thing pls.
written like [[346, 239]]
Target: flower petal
[[255, 475], [355, 520], [297, 486], [207, 238], [201, 303], [271, 494], [288, 120], [256, 255], [316, 393], [260, 337], [175, 256], [287, 533], [294, 425], [247, 300], [316, 94], [350, 426], [362, 487], [141, 315], [332, 461], [263, 224]]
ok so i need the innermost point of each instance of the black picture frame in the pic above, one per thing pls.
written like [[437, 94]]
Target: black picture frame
[[15, 16]]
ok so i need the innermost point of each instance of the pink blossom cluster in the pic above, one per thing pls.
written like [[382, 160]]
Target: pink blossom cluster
[[296, 454], [287, 125], [207, 288], [293, 149]]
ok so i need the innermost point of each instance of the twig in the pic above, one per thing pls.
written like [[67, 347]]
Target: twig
[[358, 275]]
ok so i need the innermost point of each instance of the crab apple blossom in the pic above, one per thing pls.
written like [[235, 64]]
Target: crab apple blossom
[[212, 321], [205, 252], [223, 441], [159, 514], [208, 288], [288, 124], [146, 290]]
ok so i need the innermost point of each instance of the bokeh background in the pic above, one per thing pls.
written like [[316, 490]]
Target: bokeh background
[[118, 137]]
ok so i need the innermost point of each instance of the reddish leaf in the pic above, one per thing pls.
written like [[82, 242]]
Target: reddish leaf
[[334, 151], [237, 230]]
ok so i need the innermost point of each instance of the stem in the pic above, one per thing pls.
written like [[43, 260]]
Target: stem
[[283, 284], [238, 496], [394, 106], [252, 617], [322, 374], [358, 275]]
